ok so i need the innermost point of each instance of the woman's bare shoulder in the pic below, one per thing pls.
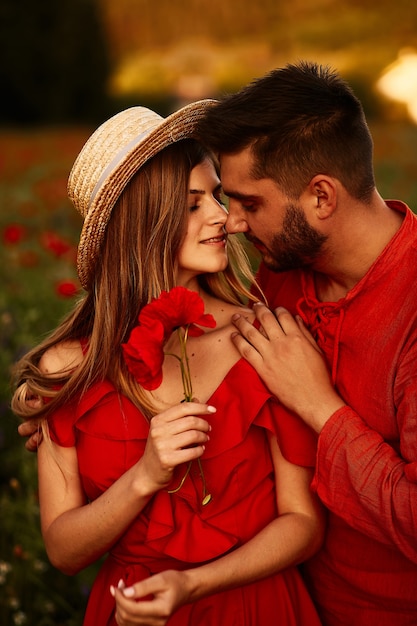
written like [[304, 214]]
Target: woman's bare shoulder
[[225, 319], [245, 311], [61, 358]]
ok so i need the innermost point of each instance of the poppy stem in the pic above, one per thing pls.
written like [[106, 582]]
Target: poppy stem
[[188, 395], [182, 479]]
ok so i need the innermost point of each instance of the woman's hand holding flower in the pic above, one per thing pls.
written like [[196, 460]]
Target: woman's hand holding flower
[[176, 436]]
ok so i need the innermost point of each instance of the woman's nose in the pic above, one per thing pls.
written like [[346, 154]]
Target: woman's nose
[[219, 214]]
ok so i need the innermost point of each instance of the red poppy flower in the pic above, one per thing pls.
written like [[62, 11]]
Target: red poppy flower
[[55, 244], [13, 233], [66, 288], [143, 353], [177, 308]]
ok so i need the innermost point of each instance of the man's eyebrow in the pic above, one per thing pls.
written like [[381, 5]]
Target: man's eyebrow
[[239, 196]]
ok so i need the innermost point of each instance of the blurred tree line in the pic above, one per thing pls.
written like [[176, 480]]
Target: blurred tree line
[[58, 58], [54, 62], [324, 24]]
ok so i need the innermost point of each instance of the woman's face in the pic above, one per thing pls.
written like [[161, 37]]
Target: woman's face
[[203, 250]]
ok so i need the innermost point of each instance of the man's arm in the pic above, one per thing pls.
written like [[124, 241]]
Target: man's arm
[[359, 476]]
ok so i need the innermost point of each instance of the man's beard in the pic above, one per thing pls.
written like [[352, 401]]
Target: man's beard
[[297, 245]]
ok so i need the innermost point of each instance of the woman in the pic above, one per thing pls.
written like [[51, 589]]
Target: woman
[[203, 506]]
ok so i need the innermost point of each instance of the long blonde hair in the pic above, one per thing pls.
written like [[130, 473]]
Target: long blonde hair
[[137, 262]]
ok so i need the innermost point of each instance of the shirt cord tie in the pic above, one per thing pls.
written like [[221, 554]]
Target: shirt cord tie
[[315, 316]]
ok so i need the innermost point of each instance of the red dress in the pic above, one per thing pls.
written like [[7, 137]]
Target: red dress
[[175, 531]]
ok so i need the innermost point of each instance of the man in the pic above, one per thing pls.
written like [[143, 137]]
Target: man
[[296, 163]]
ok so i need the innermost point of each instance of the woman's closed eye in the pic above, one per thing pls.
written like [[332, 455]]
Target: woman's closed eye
[[219, 196]]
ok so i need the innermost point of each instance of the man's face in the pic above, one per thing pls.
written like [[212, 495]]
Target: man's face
[[276, 226]]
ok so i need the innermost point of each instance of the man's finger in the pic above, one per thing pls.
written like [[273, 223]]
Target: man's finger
[[286, 320], [246, 349], [270, 324], [29, 427], [32, 444]]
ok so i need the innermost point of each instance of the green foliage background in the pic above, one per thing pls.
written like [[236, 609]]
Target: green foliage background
[[33, 197]]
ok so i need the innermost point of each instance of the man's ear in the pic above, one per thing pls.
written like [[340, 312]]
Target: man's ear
[[323, 190]]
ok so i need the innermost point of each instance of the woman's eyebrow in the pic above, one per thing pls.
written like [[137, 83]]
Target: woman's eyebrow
[[202, 191], [197, 191]]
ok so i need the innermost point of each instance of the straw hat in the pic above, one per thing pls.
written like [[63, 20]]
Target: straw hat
[[109, 159]]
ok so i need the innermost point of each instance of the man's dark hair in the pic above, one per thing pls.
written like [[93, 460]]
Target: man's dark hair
[[299, 120]]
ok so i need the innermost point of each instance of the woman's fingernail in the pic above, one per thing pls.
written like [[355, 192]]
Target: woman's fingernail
[[112, 590], [120, 584], [211, 409], [129, 592]]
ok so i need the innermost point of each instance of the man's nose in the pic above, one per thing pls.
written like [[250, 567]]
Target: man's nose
[[236, 222]]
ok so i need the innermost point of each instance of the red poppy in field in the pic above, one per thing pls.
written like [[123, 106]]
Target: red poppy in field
[[55, 243], [179, 308], [13, 234], [66, 288]]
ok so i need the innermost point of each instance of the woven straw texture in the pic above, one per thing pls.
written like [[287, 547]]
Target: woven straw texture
[[109, 159]]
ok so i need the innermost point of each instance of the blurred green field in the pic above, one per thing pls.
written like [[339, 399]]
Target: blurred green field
[[38, 284]]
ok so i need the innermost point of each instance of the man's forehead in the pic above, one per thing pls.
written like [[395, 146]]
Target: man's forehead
[[243, 157], [235, 169], [237, 177]]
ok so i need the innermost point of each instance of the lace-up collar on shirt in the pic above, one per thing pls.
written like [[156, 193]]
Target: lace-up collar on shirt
[[325, 319]]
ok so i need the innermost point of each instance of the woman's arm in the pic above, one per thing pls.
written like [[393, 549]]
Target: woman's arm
[[77, 533], [295, 535]]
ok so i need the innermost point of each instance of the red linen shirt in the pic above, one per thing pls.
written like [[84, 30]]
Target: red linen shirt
[[366, 471]]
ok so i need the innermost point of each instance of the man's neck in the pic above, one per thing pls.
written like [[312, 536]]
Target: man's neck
[[352, 249]]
